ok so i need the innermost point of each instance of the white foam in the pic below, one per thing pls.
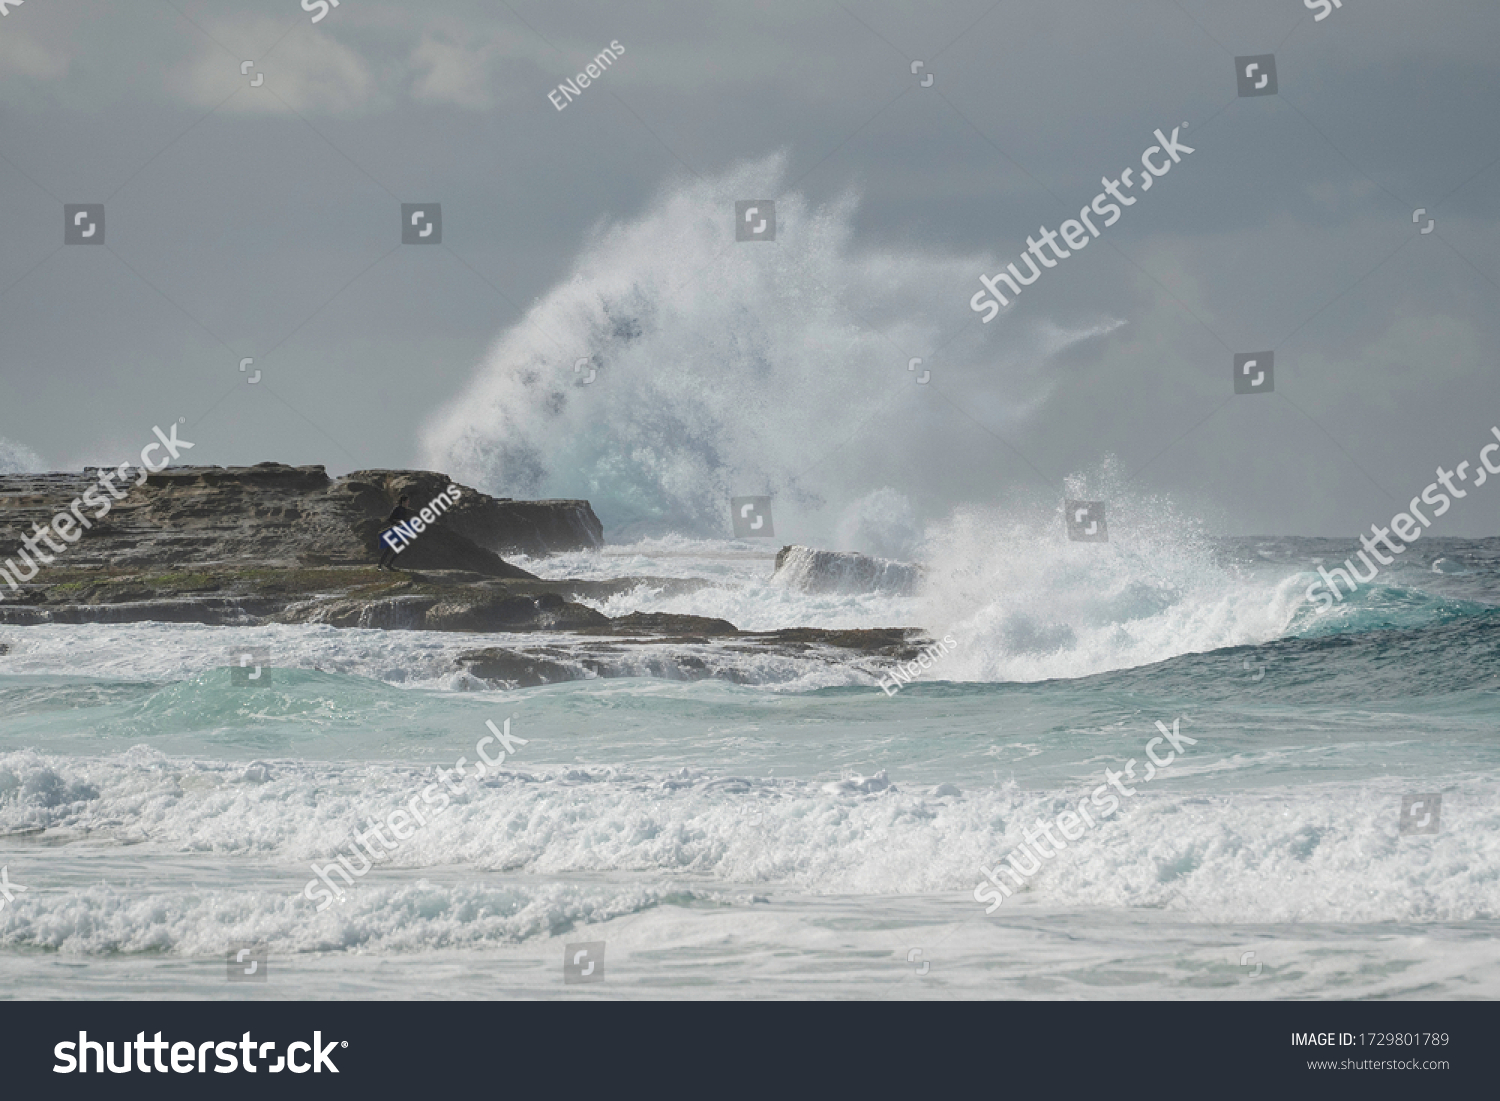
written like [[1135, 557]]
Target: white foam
[[1026, 604], [1325, 853]]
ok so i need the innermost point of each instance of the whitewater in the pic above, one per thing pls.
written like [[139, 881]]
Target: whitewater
[[782, 838]]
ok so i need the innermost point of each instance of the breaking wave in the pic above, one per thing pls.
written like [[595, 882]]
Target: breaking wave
[[675, 367]]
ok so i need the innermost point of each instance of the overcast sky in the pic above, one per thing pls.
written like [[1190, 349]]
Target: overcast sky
[[263, 222]]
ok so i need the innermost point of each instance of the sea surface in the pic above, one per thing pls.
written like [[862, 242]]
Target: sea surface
[[802, 833]]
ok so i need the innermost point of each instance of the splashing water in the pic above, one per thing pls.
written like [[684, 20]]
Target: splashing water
[[17, 458], [710, 368], [675, 367], [1028, 604]]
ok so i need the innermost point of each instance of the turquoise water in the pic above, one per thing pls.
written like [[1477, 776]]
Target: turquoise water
[[796, 835]]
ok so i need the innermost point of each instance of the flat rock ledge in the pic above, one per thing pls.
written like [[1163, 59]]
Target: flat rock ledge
[[692, 648], [276, 543]]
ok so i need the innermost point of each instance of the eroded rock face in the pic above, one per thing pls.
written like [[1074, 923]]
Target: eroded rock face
[[497, 524], [244, 545], [283, 516]]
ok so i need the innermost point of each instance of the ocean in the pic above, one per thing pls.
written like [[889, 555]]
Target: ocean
[[793, 831]]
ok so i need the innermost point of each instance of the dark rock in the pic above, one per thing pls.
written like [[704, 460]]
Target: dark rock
[[512, 613], [513, 669], [272, 514], [235, 545], [281, 544], [659, 623], [497, 524], [484, 608], [720, 657], [898, 643]]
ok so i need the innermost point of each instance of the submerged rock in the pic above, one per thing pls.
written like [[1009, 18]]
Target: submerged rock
[[514, 669], [656, 646]]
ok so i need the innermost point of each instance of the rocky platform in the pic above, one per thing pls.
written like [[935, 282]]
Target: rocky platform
[[683, 647], [250, 546]]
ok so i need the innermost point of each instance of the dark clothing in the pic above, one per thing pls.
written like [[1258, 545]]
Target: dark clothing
[[399, 515]]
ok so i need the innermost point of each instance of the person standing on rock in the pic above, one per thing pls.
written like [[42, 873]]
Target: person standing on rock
[[399, 515]]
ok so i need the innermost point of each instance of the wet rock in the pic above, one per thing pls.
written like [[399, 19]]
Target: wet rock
[[514, 669], [665, 623], [511, 613], [629, 652], [820, 571]]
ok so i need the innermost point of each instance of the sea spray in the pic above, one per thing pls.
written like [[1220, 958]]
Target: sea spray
[[1032, 605], [720, 369]]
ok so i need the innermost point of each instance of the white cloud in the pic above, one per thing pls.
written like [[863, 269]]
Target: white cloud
[[453, 73], [307, 73]]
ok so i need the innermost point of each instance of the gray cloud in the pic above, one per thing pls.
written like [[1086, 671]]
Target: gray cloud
[[262, 222]]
